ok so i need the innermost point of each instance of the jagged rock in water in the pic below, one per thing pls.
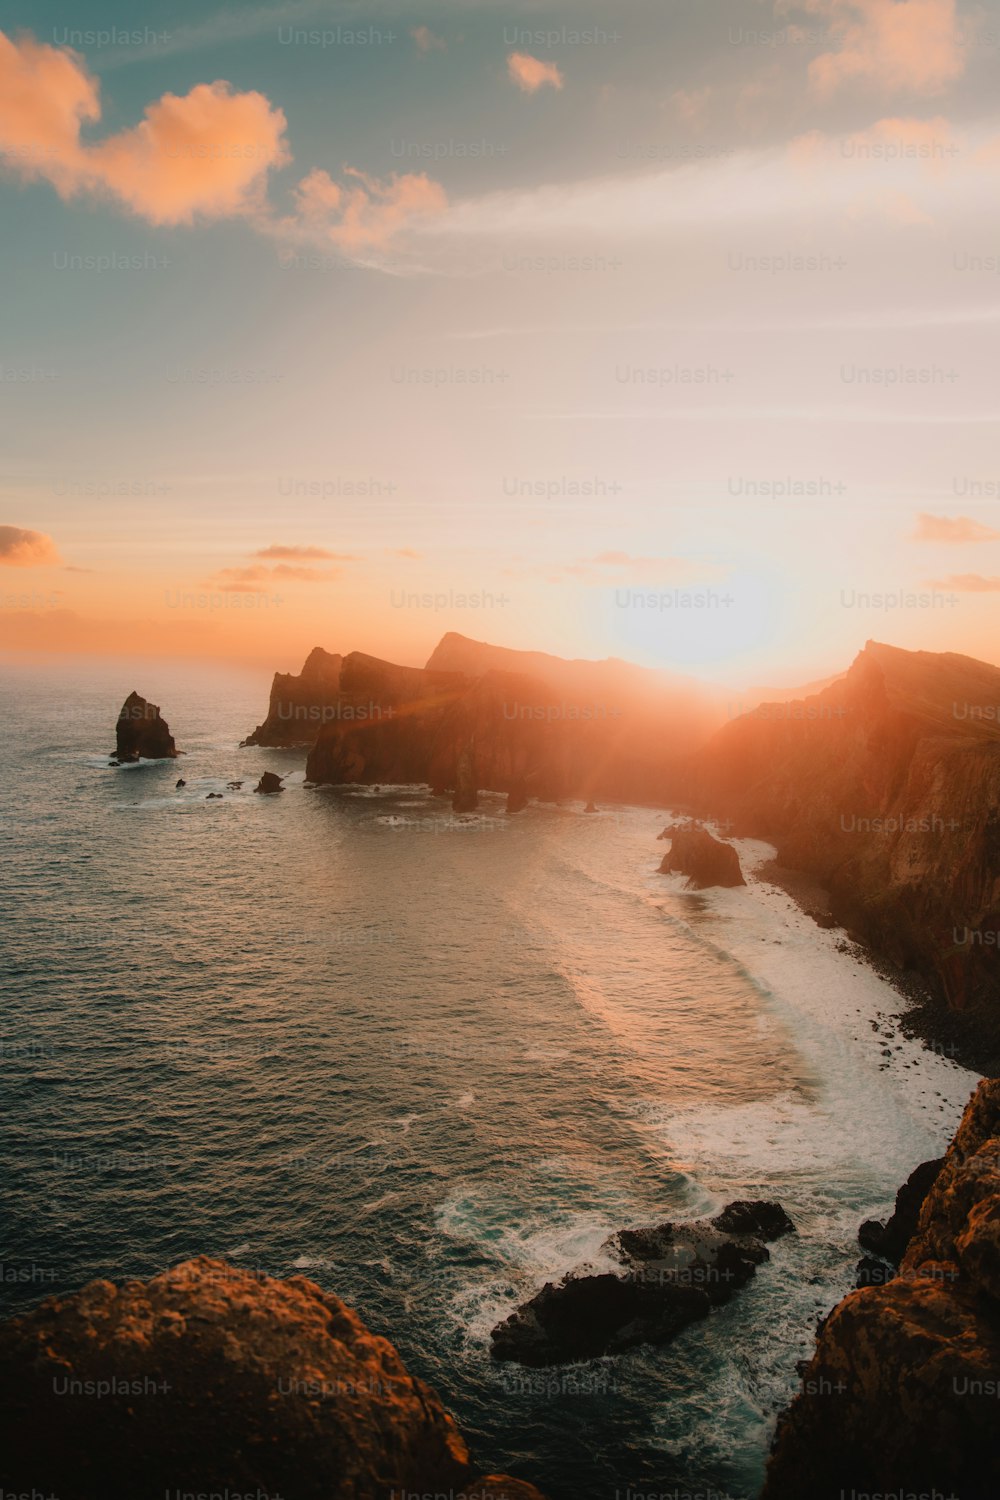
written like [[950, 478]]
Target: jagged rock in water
[[671, 1275], [705, 860], [901, 1392], [766, 1220], [208, 1378], [269, 783], [141, 733], [300, 705], [180, 783]]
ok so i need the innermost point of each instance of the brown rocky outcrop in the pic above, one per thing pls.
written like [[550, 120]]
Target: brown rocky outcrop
[[269, 783], [141, 733], [499, 732], [208, 1378], [706, 860], [300, 703], [902, 1391], [886, 787]]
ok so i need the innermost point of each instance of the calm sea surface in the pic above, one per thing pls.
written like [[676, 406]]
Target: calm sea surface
[[429, 1063]]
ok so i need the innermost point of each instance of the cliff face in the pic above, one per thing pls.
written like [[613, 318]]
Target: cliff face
[[208, 1378], [141, 733], [501, 731], [886, 785], [901, 1393], [299, 703]]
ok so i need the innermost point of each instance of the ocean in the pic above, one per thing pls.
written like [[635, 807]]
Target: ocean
[[430, 1062]]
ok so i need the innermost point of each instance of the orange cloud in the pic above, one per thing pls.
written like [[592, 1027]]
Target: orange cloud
[[26, 549], [425, 40], [248, 580], [952, 529], [530, 73], [966, 583], [368, 212], [204, 154], [899, 45], [289, 554]]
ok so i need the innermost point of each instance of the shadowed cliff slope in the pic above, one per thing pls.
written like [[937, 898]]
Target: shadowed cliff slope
[[886, 786]]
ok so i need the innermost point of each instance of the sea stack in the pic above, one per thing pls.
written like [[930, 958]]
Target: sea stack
[[141, 733], [269, 783], [706, 861]]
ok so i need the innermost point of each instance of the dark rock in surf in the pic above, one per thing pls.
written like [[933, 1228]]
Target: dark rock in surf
[[141, 733], [767, 1221], [671, 1275], [180, 783], [706, 861], [269, 783]]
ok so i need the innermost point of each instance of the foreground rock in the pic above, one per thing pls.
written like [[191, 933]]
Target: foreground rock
[[671, 1275], [901, 1393], [208, 1378], [141, 733], [704, 859], [269, 783]]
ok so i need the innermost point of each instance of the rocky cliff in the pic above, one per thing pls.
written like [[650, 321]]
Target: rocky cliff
[[886, 785], [901, 1395], [299, 704], [141, 733], [501, 731], [208, 1378]]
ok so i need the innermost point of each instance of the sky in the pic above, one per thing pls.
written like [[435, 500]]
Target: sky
[[664, 331]]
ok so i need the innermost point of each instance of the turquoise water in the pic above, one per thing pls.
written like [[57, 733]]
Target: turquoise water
[[429, 1063]]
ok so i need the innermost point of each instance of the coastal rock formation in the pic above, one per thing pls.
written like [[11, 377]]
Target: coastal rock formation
[[209, 1378], [889, 1240], [704, 859], [670, 1275], [901, 1392], [141, 733], [594, 730], [269, 783], [886, 787], [300, 704]]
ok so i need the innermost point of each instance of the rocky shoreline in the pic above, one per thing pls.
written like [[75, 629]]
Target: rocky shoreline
[[901, 1392]]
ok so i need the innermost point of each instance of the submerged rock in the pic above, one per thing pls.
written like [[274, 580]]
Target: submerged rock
[[212, 1379], [706, 860], [141, 733], [269, 783], [901, 1392], [671, 1275]]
